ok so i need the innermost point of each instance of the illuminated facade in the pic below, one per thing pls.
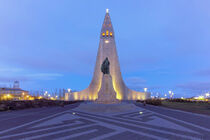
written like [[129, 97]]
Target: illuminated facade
[[15, 93], [107, 48]]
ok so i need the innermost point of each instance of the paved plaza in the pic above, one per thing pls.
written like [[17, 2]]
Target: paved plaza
[[72, 122]]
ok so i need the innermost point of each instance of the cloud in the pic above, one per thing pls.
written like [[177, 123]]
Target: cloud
[[10, 74], [10, 70], [29, 77], [135, 80], [136, 83], [9, 79], [195, 86], [203, 72], [44, 76]]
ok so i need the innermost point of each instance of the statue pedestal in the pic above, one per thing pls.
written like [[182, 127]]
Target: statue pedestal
[[106, 94]]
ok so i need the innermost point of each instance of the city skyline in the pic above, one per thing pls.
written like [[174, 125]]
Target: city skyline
[[161, 46]]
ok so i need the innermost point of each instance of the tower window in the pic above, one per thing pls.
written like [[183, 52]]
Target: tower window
[[107, 33], [110, 33], [103, 34]]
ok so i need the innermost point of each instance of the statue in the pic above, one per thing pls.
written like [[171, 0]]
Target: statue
[[105, 66]]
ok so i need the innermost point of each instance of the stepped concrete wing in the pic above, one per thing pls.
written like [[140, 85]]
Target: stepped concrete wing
[[107, 48]]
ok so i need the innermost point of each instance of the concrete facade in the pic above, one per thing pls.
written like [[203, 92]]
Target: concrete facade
[[107, 94], [107, 48]]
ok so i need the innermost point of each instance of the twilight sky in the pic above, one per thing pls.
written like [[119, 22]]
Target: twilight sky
[[163, 45]]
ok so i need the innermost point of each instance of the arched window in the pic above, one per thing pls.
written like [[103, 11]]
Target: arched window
[[110, 33], [107, 33]]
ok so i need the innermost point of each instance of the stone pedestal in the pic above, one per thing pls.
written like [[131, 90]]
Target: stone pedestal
[[106, 94]]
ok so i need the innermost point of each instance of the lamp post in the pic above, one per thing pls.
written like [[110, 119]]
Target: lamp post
[[69, 90], [45, 94], [170, 92]]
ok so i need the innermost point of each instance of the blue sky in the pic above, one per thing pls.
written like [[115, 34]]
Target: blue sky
[[162, 44]]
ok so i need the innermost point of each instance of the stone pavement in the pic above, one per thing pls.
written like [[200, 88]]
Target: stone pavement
[[140, 123]]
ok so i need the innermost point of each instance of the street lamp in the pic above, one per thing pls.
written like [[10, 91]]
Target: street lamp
[[157, 95], [45, 94], [69, 90], [170, 93]]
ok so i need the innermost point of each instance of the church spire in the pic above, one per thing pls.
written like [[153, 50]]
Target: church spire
[[107, 49], [107, 29]]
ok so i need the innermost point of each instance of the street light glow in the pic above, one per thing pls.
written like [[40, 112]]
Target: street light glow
[[69, 90]]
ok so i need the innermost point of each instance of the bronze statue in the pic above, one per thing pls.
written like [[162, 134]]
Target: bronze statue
[[105, 66]]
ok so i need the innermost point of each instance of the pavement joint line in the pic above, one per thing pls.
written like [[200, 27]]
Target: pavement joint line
[[10, 129], [126, 129], [181, 111], [57, 132], [188, 123], [174, 134], [194, 125], [95, 127], [151, 117], [78, 134], [118, 129], [107, 135], [161, 131], [34, 131]]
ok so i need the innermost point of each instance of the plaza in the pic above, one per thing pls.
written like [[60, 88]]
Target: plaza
[[72, 122]]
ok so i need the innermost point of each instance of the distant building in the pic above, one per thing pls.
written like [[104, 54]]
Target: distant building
[[70, 95], [15, 93]]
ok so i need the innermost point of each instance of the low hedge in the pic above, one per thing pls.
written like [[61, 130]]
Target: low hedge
[[155, 102], [16, 105], [186, 101]]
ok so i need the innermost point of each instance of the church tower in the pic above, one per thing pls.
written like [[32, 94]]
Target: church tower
[[107, 48]]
